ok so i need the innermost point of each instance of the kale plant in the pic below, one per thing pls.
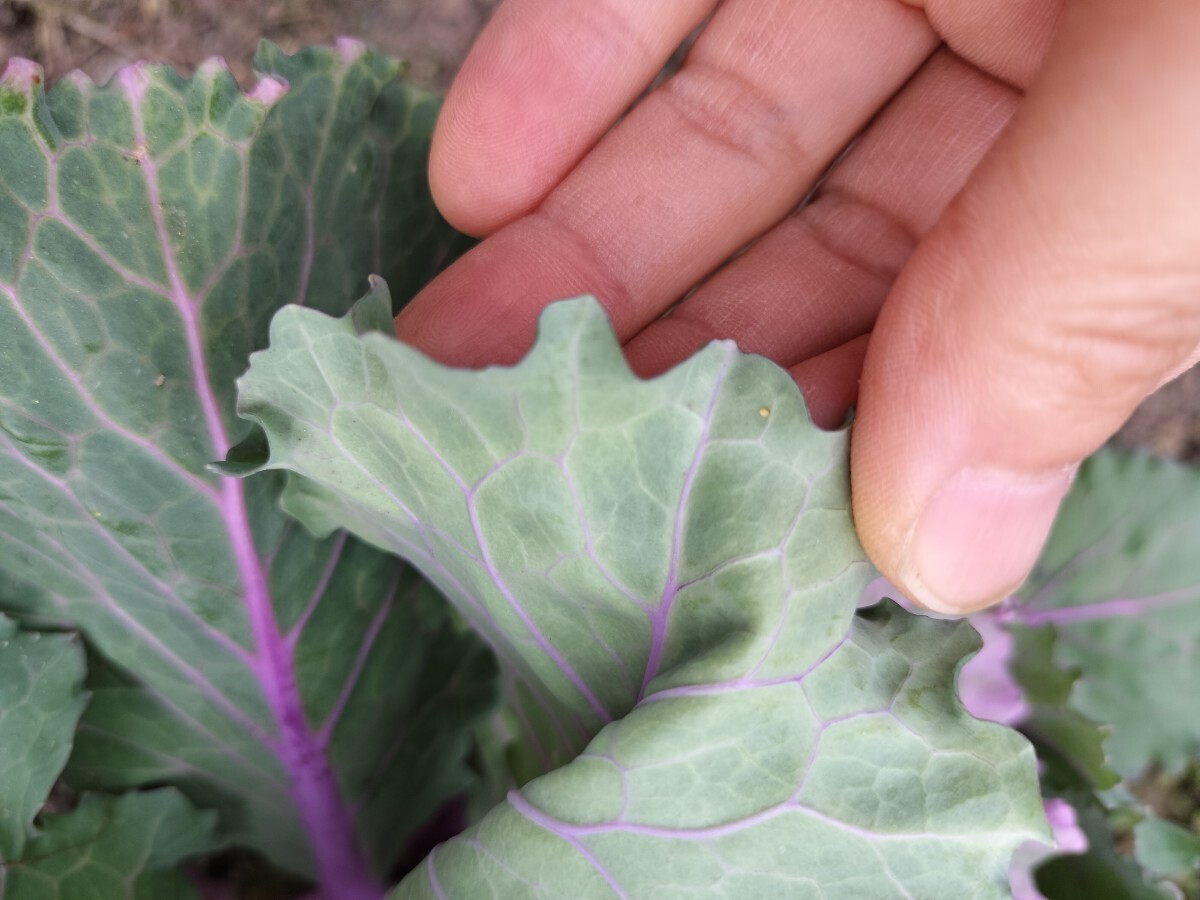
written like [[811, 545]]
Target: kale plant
[[609, 632]]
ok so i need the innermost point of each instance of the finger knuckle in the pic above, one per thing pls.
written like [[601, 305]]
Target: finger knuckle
[[732, 113]]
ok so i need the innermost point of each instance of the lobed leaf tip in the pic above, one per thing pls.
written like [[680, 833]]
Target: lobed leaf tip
[[212, 67], [79, 78], [350, 49], [270, 58], [22, 75], [584, 310], [134, 79], [264, 51], [583, 306], [247, 457], [373, 311], [269, 90]]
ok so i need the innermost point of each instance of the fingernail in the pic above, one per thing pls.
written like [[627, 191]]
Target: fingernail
[[979, 536]]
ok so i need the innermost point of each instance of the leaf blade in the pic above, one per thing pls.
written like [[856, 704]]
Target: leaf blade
[[123, 847], [157, 222], [1120, 585], [662, 561], [41, 699]]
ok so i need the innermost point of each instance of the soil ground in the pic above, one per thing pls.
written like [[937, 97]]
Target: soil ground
[[99, 36]]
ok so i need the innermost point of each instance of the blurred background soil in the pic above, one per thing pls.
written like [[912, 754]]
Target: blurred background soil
[[99, 36]]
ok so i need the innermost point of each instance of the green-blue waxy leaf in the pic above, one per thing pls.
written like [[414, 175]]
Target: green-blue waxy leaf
[[1064, 737], [115, 848], [668, 573], [1119, 582], [149, 228], [1103, 871], [1167, 849], [41, 698]]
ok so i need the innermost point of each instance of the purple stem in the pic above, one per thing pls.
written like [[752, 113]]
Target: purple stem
[[434, 881], [341, 868], [659, 618], [85, 397], [164, 591], [485, 559], [206, 688], [554, 826], [746, 683], [527, 620], [1121, 608]]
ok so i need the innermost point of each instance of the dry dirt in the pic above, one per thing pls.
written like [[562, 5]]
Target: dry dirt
[[99, 36]]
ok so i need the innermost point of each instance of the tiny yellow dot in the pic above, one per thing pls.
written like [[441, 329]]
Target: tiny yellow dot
[[764, 412]]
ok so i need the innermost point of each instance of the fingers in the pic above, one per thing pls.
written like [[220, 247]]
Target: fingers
[[829, 381], [544, 81], [1007, 39], [818, 279], [770, 92], [1060, 287]]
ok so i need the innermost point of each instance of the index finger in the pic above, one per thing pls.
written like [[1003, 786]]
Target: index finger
[[543, 83]]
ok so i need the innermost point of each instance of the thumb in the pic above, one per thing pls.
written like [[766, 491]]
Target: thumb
[[1059, 289]]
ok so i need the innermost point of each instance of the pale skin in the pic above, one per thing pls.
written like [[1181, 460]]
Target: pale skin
[[1002, 265]]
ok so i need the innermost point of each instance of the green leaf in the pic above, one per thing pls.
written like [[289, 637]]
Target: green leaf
[[41, 698], [810, 788], [668, 573], [148, 230], [114, 848], [405, 727], [1166, 849], [1119, 581], [1070, 745], [1102, 873]]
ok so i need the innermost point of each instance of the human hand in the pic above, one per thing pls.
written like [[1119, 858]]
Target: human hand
[[1023, 284]]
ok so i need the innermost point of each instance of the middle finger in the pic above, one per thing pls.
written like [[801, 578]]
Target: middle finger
[[769, 94]]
